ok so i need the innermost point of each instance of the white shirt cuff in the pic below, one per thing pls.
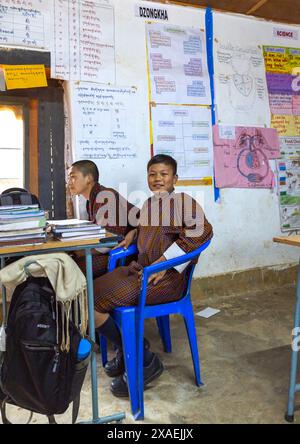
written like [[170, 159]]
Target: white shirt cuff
[[175, 251]]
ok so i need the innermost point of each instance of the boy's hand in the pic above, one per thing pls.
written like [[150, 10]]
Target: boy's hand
[[155, 277], [128, 240]]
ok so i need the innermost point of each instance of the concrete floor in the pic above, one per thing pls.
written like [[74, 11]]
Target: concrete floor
[[245, 359]]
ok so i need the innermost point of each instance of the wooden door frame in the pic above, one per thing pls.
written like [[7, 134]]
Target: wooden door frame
[[46, 132]]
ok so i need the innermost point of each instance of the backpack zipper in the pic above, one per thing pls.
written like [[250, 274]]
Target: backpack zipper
[[37, 348]]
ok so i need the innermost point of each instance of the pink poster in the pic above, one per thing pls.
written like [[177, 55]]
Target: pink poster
[[241, 156]]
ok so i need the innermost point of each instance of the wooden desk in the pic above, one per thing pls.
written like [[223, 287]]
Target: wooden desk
[[288, 240], [293, 387], [50, 247], [51, 244]]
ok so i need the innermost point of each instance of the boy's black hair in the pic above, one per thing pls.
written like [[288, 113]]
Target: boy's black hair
[[163, 158], [87, 167]]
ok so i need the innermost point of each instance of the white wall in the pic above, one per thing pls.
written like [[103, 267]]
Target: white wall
[[246, 220]]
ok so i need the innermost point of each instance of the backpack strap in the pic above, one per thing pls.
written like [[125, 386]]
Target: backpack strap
[[18, 196], [75, 408], [5, 420], [51, 419], [14, 190]]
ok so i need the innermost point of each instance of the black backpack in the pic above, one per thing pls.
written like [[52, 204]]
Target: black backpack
[[35, 374], [18, 196]]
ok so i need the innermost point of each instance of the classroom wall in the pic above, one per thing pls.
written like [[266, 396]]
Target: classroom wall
[[245, 220]]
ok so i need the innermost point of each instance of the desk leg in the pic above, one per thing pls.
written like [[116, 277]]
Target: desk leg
[[90, 291], [118, 417], [4, 301], [294, 361]]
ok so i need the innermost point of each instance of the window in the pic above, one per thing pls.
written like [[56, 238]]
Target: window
[[11, 147]]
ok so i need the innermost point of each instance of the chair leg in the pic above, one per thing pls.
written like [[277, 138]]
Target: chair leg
[[103, 349], [130, 360], [163, 323], [191, 331]]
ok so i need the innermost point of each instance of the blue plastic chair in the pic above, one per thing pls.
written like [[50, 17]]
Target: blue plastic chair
[[130, 321]]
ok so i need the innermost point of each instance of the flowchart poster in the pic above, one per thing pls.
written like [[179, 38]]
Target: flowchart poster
[[177, 65], [185, 133]]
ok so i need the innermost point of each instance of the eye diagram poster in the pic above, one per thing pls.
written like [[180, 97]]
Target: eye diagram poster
[[83, 43], [241, 156], [25, 23], [241, 88], [283, 83], [177, 65], [185, 133], [104, 123]]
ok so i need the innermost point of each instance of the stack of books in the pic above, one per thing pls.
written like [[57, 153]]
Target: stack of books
[[75, 229], [22, 225]]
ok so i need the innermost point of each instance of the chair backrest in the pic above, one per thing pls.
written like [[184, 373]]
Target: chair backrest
[[189, 271], [166, 265]]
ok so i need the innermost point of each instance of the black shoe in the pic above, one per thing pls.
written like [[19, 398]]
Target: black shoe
[[116, 367], [119, 387]]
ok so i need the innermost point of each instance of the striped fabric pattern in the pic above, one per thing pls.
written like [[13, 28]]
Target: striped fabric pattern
[[100, 261], [121, 287]]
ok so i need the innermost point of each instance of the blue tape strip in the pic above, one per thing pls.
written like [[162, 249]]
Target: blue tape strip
[[209, 25]]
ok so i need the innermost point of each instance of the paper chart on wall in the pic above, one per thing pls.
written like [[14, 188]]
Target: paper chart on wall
[[283, 84], [284, 95], [286, 125], [83, 43], [290, 147], [104, 122], [25, 23], [177, 65], [289, 192], [185, 133], [241, 88], [241, 156], [281, 60]]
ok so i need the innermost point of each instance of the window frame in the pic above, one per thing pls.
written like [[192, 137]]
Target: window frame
[[24, 102]]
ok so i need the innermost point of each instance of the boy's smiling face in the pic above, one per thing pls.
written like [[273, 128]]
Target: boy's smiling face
[[161, 177]]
